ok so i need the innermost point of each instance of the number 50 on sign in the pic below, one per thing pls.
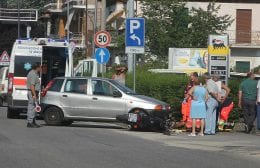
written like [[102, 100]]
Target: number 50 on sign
[[102, 39]]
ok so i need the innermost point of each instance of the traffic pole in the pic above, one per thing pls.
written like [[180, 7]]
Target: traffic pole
[[134, 69], [19, 19], [130, 14], [68, 15]]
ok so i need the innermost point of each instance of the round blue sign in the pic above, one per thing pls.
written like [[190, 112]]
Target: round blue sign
[[102, 55]]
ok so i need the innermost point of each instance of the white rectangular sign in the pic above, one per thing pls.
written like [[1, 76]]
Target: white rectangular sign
[[134, 50], [28, 50]]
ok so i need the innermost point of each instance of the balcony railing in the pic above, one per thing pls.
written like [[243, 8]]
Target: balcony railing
[[53, 7], [79, 39], [244, 38], [26, 15], [75, 2]]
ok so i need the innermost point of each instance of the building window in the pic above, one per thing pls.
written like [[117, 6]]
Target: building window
[[243, 25], [242, 66]]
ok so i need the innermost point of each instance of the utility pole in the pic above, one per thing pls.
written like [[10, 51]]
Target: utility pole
[[68, 15], [19, 19], [103, 17], [86, 29], [95, 29], [130, 13]]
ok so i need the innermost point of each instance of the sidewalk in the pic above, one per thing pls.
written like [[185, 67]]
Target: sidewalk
[[238, 143]]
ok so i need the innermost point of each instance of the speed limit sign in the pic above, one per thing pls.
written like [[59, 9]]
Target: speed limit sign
[[102, 39]]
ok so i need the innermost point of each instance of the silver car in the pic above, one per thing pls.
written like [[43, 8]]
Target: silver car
[[67, 99]]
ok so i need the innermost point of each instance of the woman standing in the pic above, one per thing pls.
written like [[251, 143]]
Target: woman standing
[[198, 107]]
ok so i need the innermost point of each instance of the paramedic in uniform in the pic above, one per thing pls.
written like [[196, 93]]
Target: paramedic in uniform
[[33, 86]]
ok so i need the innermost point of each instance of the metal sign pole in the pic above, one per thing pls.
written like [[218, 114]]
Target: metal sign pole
[[134, 70], [130, 14], [19, 19], [68, 15]]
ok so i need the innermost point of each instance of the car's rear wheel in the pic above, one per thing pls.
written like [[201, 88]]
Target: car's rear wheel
[[1, 102], [53, 116], [67, 122], [12, 113]]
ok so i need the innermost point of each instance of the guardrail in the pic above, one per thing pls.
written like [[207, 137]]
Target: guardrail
[[26, 15]]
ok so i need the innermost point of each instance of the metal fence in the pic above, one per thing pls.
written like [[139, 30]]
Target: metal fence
[[26, 15], [242, 37]]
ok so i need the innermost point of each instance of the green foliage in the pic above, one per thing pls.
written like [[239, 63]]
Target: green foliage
[[205, 22], [166, 87], [165, 23], [170, 24], [170, 88], [28, 4], [234, 86], [9, 31], [257, 69]]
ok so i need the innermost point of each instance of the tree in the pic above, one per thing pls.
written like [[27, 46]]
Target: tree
[[9, 31], [169, 23], [27, 4], [165, 23], [205, 22]]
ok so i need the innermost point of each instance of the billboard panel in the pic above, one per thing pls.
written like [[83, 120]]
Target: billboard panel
[[188, 60]]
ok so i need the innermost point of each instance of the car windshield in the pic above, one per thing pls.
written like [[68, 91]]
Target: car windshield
[[122, 87]]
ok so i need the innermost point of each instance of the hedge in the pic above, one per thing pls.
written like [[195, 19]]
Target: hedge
[[170, 88]]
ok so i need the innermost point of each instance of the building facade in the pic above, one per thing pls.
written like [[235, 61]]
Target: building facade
[[81, 20], [244, 32]]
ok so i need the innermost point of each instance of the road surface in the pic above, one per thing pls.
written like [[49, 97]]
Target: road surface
[[101, 145]]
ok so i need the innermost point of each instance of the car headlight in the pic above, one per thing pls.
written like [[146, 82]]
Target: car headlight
[[158, 108], [168, 107]]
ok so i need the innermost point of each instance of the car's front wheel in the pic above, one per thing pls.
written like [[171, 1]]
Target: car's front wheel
[[53, 116]]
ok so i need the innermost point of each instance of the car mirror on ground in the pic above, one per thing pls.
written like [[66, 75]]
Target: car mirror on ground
[[117, 93]]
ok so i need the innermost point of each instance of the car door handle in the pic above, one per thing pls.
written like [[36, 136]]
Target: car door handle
[[64, 95], [94, 98]]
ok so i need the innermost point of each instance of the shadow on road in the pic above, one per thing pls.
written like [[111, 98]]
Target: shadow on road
[[89, 125]]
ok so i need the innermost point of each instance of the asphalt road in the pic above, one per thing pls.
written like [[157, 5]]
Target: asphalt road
[[90, 145]]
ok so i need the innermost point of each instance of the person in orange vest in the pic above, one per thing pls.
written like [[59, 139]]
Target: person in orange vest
[[187, 99]]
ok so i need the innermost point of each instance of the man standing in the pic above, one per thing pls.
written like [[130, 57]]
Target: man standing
[[258, 108], [247, 100], [33, 86], [212, 104]]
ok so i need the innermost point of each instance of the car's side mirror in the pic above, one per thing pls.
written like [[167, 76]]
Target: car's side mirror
[[117, 93]]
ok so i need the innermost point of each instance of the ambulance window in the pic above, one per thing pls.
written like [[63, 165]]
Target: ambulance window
[[2, 73], [23, 64]]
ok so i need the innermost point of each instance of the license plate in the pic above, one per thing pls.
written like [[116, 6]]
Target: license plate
[[132, 117]]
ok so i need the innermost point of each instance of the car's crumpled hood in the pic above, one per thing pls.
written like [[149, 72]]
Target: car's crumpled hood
[[147, 99]]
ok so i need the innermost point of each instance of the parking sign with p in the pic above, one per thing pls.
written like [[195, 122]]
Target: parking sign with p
[[135, 35]]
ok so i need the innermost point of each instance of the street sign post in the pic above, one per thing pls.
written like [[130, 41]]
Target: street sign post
[[135, 35], [102, 55], [4, 59], [219, 52], [102, 39], [134, 40]]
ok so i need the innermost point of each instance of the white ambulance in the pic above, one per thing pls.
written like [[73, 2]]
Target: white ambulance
[[56, 59]]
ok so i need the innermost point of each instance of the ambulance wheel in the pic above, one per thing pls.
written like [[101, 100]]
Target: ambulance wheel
[[11, 113], [53, 116]]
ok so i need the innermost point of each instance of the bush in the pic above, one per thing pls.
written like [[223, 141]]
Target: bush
[[165, 87], [170, 88]]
